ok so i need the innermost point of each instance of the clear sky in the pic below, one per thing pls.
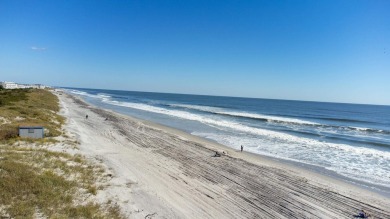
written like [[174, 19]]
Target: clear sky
[[337, 51]]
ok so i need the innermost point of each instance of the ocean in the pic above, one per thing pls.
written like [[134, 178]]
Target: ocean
[[349, 140]]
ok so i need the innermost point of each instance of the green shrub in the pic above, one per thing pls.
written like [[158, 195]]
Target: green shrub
[[8, 132]]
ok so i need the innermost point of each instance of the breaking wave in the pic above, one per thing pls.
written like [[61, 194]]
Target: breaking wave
[[275, 119]]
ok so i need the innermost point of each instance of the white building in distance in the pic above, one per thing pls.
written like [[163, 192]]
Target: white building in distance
[[9, 85], [13, 85]]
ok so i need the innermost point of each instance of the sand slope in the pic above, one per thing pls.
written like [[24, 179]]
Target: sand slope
[[160, 172]]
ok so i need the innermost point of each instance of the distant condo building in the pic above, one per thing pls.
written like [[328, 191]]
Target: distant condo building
[[9, 85], [13, 85]]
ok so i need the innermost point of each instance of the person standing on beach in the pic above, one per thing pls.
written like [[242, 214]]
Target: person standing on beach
[[242, 148], [363, 214], [86, 117]]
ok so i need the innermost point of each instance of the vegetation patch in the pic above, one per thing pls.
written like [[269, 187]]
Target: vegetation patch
[[8, 97], [52, 184], [37, 182], [29, 107]]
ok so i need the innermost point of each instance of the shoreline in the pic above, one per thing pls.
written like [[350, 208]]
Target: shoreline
[[295, 166], [325, 182], [371, 187]]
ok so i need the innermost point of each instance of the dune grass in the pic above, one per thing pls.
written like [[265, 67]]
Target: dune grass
[[28, 107], [53, 184], [39, 183]]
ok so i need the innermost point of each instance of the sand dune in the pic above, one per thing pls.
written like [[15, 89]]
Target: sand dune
[[159, 172]]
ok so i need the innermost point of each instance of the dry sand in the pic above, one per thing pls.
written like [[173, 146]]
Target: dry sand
[[160, 172]]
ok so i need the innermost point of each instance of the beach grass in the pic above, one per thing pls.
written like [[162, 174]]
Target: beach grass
[[54, 184], [28, 107], [36, 182]]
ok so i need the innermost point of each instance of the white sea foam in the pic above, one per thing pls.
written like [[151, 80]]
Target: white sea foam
[[276, 119], [77, 92], [276, 136], [221, 111], [82, 93], [103, 95], [270, 118], [197, 107], [361, 129]]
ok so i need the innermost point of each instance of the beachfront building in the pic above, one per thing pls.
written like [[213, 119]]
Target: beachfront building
[[9, 85], [31, 131], [34, 86], [13, 85]]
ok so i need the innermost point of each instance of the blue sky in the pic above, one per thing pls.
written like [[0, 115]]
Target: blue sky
[[336, 51]]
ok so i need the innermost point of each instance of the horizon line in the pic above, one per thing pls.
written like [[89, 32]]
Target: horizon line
[[388, 105]]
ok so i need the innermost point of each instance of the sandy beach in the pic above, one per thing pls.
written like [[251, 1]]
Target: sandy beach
[[160, 172]]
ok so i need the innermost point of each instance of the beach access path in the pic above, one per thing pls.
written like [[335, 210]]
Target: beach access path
[[160, 172]]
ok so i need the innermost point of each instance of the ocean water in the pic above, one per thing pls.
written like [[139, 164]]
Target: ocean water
[[351, 140]]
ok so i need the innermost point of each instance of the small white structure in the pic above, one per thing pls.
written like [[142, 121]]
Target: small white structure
[[9, 85], [31, 131]]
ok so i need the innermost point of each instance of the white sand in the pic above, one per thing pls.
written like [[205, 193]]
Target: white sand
[[160, 172]]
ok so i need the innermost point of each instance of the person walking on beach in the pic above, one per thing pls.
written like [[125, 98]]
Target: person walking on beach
[[242, 148], [86, 117]]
